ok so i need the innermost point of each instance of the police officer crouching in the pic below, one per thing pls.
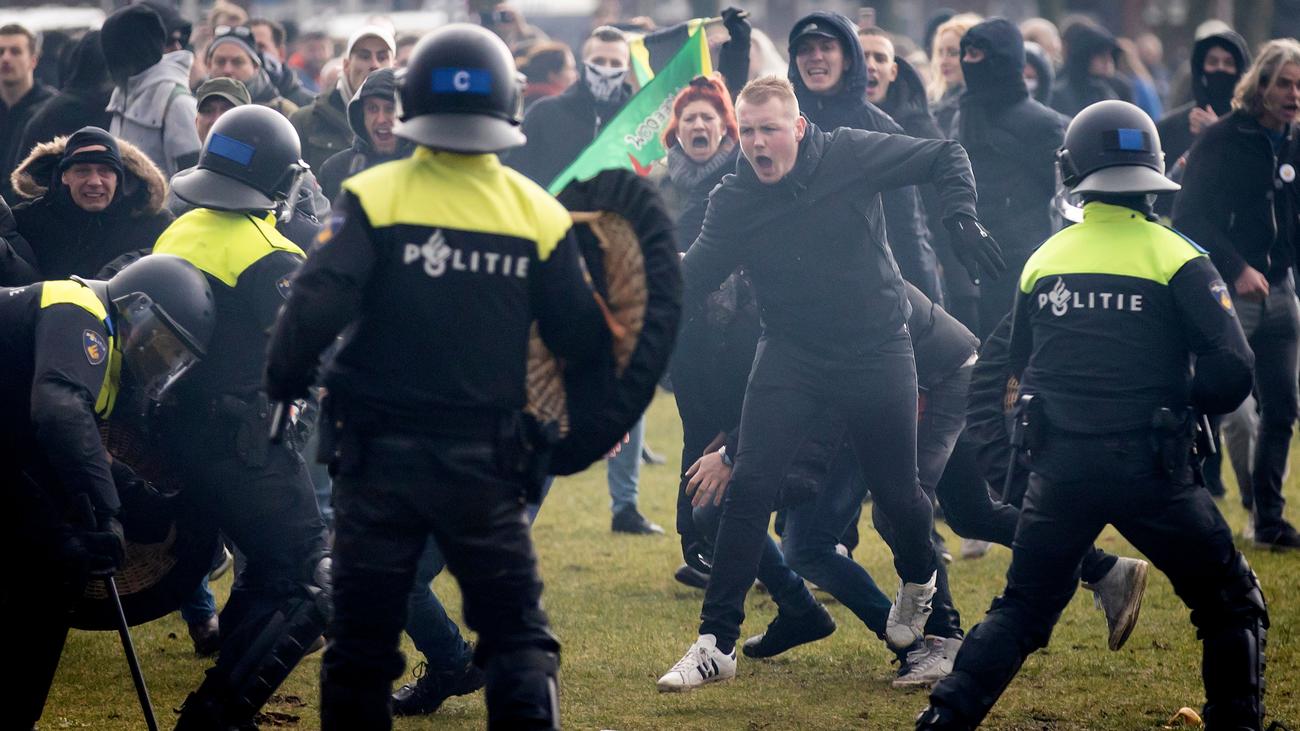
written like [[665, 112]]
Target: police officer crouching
[[438, 265], [70, 348], [1111, 315], [257, 494]]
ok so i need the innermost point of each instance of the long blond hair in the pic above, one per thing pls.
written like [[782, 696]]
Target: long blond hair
[[1249, 94], [958, 24]]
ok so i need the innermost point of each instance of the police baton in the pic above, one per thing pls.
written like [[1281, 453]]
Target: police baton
[[123, 631], [280, 415]]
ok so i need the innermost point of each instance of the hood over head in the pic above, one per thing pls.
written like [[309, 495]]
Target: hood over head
[[1216, 89], [1083, 40], [84, 66], [1035, 56], [906, 96], [142, 190], [1002, 72], [854, 82], [132, 39], [381, 83], [178, 29]]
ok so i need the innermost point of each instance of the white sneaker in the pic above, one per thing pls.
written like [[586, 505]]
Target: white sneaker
[[971, 548], [1248, 533], [1119, 594], [929, 663], [701, 664], [907, 617]]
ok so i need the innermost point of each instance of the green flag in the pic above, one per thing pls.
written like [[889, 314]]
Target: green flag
[[631, 139]]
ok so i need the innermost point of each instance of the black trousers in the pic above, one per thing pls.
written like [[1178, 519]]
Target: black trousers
[[1078, 486], [390, 493], [789, 392]]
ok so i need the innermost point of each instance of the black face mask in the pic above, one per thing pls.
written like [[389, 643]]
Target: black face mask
[[1219, 86]]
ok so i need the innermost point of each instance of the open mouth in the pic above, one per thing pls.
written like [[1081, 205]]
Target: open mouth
[[1291, 109], [383, 134], [817, 73], [700, 142], [872, 83], [764, 164]]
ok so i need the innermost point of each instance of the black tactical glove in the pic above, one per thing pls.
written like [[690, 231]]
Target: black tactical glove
[[100, 550], [736, 21], [975, 248]]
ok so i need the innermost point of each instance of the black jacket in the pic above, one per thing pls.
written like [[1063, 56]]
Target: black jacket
[[813, 243], [12, 123], [17, 261], [1234, 201], [1076, 88], [1011, 139], [362, 155], [559, 128], [83, 100], [907, 233], [67, 240], [1036, 57]]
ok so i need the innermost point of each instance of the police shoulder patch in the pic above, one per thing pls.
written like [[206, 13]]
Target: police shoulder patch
[[95, 347], [283, 285], [332, 226], [1220, 292]]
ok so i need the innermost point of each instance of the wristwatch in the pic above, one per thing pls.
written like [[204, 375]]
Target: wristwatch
[[726, 458]]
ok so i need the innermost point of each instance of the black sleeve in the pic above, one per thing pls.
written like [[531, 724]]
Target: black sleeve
[[733, 59], [71, 359], [1200, 209], [709, 261], [986, 414], [571, 322], [324, 297], [265, 286], [1224, 362], [895, 161]]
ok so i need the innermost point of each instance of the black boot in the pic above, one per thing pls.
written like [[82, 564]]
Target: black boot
[[429, 690], [1232, 667], [523, 691], [787, 631]]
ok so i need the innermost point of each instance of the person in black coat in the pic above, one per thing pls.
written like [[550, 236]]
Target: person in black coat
[[17, 262], [82, 101], [72, 234], [1044, 73], [1217, 63], [1089, 75], [832, 93], [1012, 142], [376, 103]]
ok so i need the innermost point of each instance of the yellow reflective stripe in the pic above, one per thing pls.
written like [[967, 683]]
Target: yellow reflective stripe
[[1138, 249], [473, 193], [74, 293], [220, 242]]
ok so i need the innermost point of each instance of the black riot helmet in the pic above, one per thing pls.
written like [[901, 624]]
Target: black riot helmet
[[163, 315], [1113, 147], [251, 161], [462, 92]]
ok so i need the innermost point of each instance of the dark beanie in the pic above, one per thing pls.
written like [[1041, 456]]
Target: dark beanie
[[133, 38], [74, 151]]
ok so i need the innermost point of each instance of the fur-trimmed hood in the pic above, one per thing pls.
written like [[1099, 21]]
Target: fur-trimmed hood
[[142, 192]]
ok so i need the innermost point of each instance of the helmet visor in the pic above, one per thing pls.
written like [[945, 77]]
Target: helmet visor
[[156, 350]]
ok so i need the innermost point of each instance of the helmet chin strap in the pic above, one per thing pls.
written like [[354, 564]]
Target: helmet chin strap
[[284, 210]]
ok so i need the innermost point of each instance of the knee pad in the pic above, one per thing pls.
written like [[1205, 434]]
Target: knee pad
[[275, 652], [523, 690]]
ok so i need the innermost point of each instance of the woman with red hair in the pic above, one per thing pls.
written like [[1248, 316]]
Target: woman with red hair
[[701, 141]]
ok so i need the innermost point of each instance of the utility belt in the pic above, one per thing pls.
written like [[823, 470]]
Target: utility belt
[[249, 418], [1180, 439], [520, 444]]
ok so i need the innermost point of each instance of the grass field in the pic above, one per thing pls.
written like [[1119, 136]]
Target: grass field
[[624, 621]]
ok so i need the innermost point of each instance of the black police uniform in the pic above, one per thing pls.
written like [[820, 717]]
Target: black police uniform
[[259, 495], [441, 263], [58, 374], [1110, 314]]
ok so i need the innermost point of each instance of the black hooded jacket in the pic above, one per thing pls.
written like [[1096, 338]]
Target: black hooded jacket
[[907, 232], [1076, 87], [1011, 139], [813, 243], [17, 262], [1214, 91], [83, 100], [559, 128], [343, 165], [1035, 56]]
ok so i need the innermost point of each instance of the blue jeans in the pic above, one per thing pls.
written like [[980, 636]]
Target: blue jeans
[[431, 630], [199, 605], [623, 470]]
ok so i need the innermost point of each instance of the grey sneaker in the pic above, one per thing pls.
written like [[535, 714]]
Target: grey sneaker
[[906, 623], [971, 548], [1119, 595], [929, 663]]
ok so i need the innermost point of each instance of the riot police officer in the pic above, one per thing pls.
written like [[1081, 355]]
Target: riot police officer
[[439, 263], [1110, 316], [71, 347], [259, 495]]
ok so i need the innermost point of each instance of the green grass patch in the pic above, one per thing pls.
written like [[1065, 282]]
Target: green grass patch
[[623, 621]]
